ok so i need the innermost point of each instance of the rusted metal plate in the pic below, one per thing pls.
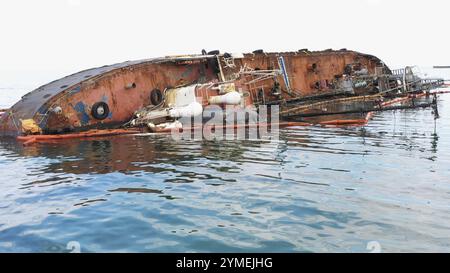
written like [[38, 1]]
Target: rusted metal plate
[[36, 103], [67, 104], [30, 103]]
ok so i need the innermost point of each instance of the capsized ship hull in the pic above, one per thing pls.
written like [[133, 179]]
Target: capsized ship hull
[[110, 96]]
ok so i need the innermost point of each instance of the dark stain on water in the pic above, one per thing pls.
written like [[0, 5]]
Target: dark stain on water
[[315, 189], [136, 190]]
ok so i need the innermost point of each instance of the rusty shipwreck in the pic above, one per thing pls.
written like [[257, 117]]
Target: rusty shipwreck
[[154, 93]]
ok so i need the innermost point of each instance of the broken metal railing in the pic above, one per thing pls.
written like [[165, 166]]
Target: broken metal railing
[[261, 75], [362, 110], [430, 83], [327, 102]]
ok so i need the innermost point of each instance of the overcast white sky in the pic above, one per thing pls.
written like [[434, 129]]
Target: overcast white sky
[[46, 39]]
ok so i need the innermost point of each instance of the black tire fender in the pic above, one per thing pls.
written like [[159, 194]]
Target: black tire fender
[[156, 96], [100, 110]]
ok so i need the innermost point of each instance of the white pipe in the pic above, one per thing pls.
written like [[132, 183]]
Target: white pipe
[[191, 110], [405, 86], [232, 98]]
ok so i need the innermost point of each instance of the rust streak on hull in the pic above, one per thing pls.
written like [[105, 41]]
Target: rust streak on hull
[[109, 97]]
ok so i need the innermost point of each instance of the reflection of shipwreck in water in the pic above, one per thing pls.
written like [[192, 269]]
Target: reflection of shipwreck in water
[[156, 94]]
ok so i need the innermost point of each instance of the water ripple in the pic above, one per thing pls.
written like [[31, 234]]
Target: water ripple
[[315, 189]]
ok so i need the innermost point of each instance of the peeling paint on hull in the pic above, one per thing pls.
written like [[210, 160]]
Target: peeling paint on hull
[[66, 105]]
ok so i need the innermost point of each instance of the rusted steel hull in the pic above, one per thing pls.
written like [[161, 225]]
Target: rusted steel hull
[[109, 96]]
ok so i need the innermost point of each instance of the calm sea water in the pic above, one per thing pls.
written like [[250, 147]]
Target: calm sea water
[[315, 190]]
